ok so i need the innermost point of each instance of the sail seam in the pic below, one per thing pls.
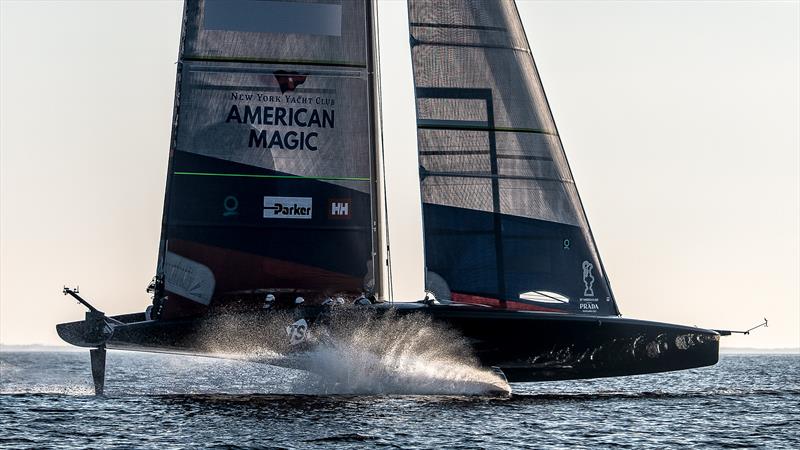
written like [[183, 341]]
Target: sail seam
[[493, 176], [416, 42], [299, 62], [482, 152], [282, 177], [456, 26], [424, 126]]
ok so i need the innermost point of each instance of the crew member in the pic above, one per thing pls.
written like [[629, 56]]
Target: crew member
[[269, 302]]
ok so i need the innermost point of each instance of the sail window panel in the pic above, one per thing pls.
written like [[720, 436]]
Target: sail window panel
[[530, 155], [459, 192], [488, 16], [474, 164], [518, 155], [464, 151], [518, 101], [328, 32], [532, 171], [467, 22], [468, 37], [449, 112], [530, 146], [542, 199], [485, 13], [323, 131]]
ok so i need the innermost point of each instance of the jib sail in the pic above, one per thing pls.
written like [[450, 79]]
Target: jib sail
[[271, 170], [503, 222]]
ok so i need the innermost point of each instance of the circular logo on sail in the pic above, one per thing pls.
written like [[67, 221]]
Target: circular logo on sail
[[230, 206]]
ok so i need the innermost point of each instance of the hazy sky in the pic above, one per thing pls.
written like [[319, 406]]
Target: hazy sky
[[681, 121]]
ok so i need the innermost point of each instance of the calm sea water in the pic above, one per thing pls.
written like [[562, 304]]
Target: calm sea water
[[166, 401]]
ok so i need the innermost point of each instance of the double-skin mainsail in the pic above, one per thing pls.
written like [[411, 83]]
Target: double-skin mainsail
[[271, 179]]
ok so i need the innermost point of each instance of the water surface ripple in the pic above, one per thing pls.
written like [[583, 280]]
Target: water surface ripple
[[166, 401]]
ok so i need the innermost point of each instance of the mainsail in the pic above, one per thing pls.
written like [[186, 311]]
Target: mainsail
[[272, 175], [503, 222]]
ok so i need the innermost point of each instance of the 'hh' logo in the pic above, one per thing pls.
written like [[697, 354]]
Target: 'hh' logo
[[339, 208], [287, 207]]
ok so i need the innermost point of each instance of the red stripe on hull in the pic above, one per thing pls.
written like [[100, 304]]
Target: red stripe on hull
[[496, 303]]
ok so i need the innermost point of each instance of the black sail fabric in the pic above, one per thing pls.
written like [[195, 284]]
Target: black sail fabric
[[503, 223], [271, 161]]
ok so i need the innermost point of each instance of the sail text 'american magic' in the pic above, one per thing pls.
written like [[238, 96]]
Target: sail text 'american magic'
[[284, 117]]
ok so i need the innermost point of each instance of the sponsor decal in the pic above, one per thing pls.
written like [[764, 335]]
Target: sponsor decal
[[297, 332], [230, 206], [588, 279], [279, 116], [288, 81], [291, 127], [188, 278], [287, 207], [339, 208], [588, 303]]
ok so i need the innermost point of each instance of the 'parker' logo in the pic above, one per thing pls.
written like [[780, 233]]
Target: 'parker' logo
[[287, 207], [588, 279], [339, 208]]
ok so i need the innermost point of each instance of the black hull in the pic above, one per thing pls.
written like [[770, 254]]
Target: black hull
[[527, 346]]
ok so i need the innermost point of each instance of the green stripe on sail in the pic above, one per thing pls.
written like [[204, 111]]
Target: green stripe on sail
[[281, 177]]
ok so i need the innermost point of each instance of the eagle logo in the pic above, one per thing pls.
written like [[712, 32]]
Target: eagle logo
[[288, 81]]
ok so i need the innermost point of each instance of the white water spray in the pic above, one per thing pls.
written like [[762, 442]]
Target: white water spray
[[360, 351], [396, 355]]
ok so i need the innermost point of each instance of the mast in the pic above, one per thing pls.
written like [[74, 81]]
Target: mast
[[398, 151], [382, 250]]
